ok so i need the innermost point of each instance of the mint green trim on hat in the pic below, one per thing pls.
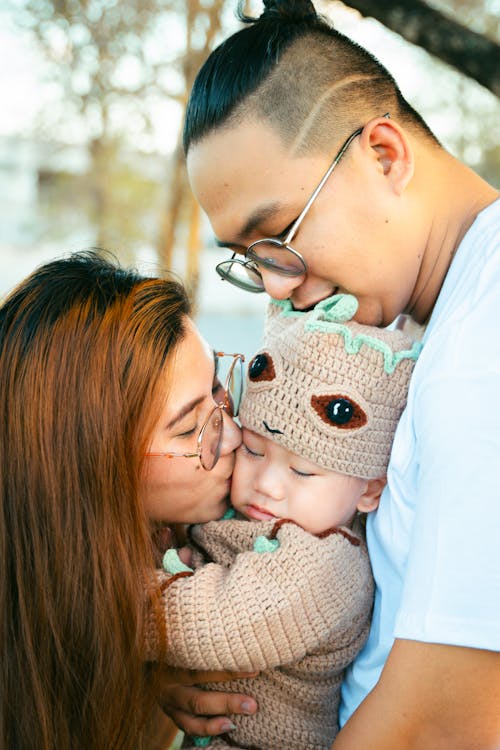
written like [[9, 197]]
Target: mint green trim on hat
[[319, 401], [353, 343], [328, 317], [339, 307]]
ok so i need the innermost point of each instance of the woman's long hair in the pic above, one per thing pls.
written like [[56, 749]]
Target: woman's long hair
[[84, 347]]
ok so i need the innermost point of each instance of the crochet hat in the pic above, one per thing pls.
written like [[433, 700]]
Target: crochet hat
[[327, 388]]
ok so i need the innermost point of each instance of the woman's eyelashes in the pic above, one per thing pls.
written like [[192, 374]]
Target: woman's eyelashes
[[187, 433]]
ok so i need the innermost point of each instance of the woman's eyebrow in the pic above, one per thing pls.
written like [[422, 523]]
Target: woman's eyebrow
[[183, 411]]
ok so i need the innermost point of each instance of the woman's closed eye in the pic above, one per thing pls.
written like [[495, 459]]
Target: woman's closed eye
[[186, 433]]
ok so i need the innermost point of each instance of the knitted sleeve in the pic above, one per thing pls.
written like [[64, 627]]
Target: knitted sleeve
[[268, 608]]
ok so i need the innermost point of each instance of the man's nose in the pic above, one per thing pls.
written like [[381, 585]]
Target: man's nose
[[279, 287]]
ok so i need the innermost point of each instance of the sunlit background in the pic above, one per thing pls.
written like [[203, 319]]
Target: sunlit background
[[92, 97]]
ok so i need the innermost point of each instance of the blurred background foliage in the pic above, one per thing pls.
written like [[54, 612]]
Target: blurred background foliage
[[103, 148]]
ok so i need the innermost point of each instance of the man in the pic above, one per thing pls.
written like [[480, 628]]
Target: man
[[319, 177]]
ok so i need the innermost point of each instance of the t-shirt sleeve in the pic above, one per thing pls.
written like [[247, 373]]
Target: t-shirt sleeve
[[452, 580]]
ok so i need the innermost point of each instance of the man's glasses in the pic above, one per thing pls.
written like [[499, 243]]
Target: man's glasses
[[272, 253], [210, 436]]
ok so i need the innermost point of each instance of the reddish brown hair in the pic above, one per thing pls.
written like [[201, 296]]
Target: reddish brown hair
[[84, 346]]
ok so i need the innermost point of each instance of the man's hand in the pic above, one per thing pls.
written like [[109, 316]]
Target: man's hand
[[199, 712]]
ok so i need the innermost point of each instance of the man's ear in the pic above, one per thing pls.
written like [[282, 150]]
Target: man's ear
[[391, 148], [370, 498]]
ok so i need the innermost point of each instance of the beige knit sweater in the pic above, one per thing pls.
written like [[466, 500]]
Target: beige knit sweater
[[299, 613]]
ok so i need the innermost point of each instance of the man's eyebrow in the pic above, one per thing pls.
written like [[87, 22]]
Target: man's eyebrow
[[256, 218], [183, 411]]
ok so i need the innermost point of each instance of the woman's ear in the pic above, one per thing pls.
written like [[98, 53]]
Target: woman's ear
[[370, 498], [389, 145]]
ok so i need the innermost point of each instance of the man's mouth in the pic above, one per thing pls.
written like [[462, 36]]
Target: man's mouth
[[297, 305]]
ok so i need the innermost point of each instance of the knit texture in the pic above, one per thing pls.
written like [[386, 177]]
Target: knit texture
[[299, 614], [327, 388]]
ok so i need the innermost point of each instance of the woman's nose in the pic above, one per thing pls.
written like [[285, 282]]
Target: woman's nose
[[231, 437], [279, 287]]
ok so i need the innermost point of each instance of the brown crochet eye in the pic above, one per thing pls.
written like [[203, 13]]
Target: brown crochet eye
[[339, 410], [261, 368]]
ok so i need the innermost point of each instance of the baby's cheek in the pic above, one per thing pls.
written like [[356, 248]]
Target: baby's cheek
[[241, 479]]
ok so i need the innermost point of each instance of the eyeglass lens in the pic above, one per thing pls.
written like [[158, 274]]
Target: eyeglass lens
[[276, 256], [229, 373], [241, 274], [211, 439], [235, 387]]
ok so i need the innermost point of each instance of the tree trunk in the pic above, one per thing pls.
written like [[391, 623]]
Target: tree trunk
[[470, 53], [173, 210], [193, 250]]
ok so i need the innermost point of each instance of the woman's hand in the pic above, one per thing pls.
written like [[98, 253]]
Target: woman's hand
[[199, 712]]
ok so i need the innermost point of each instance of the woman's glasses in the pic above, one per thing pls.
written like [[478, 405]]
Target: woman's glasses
[[209, 441]]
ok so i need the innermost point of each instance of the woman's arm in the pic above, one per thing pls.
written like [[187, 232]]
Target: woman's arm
[[250, 616], [429, 697]]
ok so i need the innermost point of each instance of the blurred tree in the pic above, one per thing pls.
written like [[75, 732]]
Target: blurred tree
[[202, 24], [112, 62]]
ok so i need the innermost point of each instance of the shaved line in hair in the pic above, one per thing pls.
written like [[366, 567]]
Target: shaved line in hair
[[300, 142]]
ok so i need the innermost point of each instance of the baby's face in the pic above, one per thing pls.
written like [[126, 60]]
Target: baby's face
[[270, 481]]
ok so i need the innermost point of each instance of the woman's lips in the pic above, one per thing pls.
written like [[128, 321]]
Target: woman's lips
[[258, 513]]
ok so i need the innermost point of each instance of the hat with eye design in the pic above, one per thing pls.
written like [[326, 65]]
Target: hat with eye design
[[327, 388]]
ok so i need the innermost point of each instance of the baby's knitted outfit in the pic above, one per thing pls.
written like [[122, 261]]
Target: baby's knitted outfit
[[332, 391], [298, 613]]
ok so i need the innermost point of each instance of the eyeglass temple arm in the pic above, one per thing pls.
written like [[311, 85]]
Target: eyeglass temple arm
[[173, 455], [225, 354], [330, 169], [327, 174]]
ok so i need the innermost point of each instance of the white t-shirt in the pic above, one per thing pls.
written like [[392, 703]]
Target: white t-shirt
[[434, 541]]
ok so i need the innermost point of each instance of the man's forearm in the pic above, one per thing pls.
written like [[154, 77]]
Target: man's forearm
[[430, 697]]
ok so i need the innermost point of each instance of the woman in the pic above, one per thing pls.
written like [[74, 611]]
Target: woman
[[93, 399]]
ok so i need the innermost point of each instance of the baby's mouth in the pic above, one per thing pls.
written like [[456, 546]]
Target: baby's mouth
[[260, 514]]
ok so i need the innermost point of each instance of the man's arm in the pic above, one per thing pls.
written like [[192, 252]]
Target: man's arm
[[429, 697]]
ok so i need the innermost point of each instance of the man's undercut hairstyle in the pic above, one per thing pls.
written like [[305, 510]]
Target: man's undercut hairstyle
[[290, 68]]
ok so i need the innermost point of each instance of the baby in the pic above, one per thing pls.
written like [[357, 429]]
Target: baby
[[283, 583]]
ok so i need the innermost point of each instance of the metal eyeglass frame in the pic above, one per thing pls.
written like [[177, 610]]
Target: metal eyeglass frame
[[224, 405], [252, 261]]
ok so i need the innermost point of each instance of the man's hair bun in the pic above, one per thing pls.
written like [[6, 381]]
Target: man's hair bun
[[284, 11], [289, 10]]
